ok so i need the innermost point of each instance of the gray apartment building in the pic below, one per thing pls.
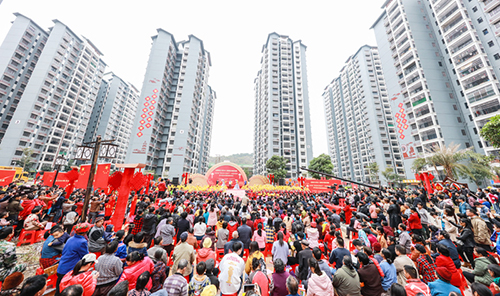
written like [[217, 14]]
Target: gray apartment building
[[282, 120], [173, 123], [422, 84], [113, 114], [48, 88], [359, 123]]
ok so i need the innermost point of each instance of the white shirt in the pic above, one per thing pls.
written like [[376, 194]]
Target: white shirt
[[199, 229], [231, 272]]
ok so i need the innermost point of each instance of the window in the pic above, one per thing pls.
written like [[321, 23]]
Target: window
[[455, 107], [440, 64], [474, 8], [490, 43], [480, 20], [496, 56], [464, 133], [485, 31], [459, 120]]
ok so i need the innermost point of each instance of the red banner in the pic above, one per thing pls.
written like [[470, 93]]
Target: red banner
[[320, 185], [83, 176], [48, 178], [62, 180], [102, 175], [6, 177]]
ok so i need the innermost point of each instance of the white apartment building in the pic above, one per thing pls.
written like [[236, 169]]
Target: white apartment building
[[113, 114], [421, 84], [49, 86], [359, 123], [173, 123], [282, 120]]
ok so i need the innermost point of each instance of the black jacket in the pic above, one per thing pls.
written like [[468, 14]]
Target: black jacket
[[182, 225], [304, 256], [149, 223], [467, 237]]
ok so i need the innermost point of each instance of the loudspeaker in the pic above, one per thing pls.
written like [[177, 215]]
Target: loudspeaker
[[175, 181]]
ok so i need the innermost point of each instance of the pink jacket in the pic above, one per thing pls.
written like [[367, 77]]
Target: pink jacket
[[85, 279], [205, 254], [319, 285], [313, 237], [261, 240], [131, 273]]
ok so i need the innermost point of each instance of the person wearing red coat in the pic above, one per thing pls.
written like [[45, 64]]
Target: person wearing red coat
[[137, 264], [444, 260], [414, 222], [347, 213], [81, 275]]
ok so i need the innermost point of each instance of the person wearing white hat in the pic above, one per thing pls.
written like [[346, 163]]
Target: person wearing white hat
[[82, 275]]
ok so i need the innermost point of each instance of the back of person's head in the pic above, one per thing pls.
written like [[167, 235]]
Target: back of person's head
[[121, 289], [224, 224], [139, 237], [200, 268], [317, 253], [348, 261], [120, 234], [367, 250], [236, 247], [6, 231], [73, 290], [340, 242], [142, 281], [279, 265], [157, 240], [255, 263], [443, 250], [292, 285], [33, 285], [387, 255], [313, 263], [158, 255], [479, 289], [134, 257], [495, 269], [397, 290], [412, 272], [363, 258], [254, 247], [112, 247], [401, 249], [183, 263], [55, 229]]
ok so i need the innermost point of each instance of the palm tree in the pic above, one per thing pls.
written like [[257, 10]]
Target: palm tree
[[418, 165], [449, 157]]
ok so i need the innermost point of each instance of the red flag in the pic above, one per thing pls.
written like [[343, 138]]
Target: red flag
[[83, 176], [102, 175], [48, 178], [6, 177], [62, 180]]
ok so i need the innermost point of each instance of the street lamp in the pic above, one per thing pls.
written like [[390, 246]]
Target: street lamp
[[60, 160], [92, 151]]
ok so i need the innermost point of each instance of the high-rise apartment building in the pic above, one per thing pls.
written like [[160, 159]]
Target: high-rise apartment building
[[113, 114], [173, 123], [470, 31], [282, 121], [48, 88], [359, 123], [423, 88]]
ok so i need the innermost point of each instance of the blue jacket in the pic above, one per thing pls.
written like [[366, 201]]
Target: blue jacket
[[49, 252], [495, 237], [74, 250], [390, 275], [442, 288], [337, 256], [121, 252], [463, 207]]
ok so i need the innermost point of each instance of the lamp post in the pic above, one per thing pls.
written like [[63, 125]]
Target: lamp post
[[60, 160], [92, 151]]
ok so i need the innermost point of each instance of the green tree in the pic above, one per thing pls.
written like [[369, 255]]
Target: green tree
[[491, 131], [248, 171], [374, 170], [26, 159], [418, 165], [450, 158], [276, 165], [478, 167], [322, 163], [391, 176]]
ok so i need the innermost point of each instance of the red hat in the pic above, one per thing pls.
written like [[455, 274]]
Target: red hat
[[313, 224], [83, 227], [377, 247], [444, 273]]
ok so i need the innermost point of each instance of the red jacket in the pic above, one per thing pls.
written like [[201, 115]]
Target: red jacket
[[414, 221], [85, 279], [131, 273], [414, 286]]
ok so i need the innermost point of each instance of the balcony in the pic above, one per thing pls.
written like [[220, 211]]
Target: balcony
[[453, 23], [429, 137], [456, 33], [441, 5], [422, 112], [462, 45], [476, 80], [465, 56], [495, 15], [448, 14], [490, 5], [488, 108]]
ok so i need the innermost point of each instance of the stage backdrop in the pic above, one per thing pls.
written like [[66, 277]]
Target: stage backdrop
[[320, 185], [226, 171]]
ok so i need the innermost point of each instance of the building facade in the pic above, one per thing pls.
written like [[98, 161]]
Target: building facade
[[282, 120], [423, 86], [113, 114], [48, 88], [173, 123], [359, 123]]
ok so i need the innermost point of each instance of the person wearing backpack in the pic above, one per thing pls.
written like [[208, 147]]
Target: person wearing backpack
[[199, 281]]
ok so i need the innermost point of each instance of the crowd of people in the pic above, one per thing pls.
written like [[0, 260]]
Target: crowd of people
[[348, 242]]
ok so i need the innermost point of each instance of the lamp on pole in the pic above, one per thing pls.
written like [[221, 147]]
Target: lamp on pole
[[92, 151], [60, 160]]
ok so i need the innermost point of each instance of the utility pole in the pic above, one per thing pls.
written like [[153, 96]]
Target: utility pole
[[90, 181]]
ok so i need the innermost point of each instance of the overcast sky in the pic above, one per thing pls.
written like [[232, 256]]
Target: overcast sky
[[232, 31]]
